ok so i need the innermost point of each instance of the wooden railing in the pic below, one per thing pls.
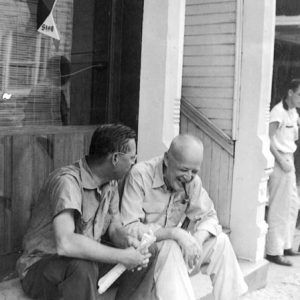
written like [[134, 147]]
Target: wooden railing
[[217, 166]]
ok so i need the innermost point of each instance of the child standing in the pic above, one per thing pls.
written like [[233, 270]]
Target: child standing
[[283, 201]]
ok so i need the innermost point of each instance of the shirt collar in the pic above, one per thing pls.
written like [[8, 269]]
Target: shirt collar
[[88, 180], [158, 179]]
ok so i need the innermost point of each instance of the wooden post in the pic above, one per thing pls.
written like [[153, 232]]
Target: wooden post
[[161, 75], [253, 160]]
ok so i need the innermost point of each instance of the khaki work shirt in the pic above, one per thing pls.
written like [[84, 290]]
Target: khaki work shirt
[[72, 187], [148, 204]]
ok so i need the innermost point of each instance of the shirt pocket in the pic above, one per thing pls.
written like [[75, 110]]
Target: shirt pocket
[[154, 212], [290, 132]]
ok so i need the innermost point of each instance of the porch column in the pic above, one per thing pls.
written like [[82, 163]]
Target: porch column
[[253, 160], [161, 75]]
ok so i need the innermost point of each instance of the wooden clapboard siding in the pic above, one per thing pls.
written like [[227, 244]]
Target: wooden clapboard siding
[[27, 156], [217, 167], [209, 59]]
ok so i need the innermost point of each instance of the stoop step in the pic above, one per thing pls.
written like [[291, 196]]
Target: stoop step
[[255, 275]]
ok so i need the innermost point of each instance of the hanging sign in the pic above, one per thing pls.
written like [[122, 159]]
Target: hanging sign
[[45, 21]]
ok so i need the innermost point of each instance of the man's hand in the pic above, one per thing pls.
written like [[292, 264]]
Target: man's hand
[[191, 250], [133, 242], [133, 258]]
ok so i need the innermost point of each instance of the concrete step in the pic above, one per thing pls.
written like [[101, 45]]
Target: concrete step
[[255, 275]]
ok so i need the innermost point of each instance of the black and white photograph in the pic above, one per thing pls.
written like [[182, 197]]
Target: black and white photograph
[[149, 149]]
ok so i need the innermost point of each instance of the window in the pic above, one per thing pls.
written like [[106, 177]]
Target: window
[[48, 82], [287, 47]]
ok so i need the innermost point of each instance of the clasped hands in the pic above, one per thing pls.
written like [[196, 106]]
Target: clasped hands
[[138, 257]]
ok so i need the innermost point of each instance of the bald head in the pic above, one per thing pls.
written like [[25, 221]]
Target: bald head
[[186, 146], [183, 160]]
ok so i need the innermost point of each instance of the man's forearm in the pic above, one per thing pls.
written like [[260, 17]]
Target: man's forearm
[[201, 236], [173, 233], [80, 246]]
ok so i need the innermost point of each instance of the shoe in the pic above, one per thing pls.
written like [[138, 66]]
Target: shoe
[[290, 252], [278, 259]]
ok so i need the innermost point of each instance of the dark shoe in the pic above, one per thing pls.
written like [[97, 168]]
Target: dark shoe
[[290, 252], [278, 259]]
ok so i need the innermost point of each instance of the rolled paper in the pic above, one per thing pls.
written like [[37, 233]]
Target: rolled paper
[[111, 276]]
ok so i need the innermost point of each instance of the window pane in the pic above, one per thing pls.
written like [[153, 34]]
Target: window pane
[[287, 7], [48, 82], [286, 59]]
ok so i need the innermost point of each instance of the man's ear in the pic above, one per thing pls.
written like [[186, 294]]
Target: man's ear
[[115, 159], [290, 92]]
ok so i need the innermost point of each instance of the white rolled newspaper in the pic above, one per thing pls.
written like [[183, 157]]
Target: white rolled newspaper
[[111, 276]]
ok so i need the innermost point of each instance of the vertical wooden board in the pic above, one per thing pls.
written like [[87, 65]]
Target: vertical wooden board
[[215, 174], [2, 165], [2, 198], [61, 150], [2, 225], [22, 183], [67, 148], [183, 123], [7, 164], [224, 200], [77, 141], [229, 196], [87, 141], [42, 153], [206, 164]]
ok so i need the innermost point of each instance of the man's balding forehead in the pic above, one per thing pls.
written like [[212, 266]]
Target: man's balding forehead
[[183, 144], [183, 140]]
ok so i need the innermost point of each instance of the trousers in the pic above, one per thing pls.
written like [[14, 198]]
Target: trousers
[[54, 277], [283, 210], [218, 260]]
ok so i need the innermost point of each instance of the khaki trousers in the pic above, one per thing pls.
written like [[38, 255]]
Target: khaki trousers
[[283, 210], [218, 261]]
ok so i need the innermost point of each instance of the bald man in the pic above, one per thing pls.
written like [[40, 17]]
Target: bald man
[[158, 195]]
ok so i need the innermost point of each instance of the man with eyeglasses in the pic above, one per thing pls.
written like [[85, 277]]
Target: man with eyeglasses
[[158, 195], [64, 253]]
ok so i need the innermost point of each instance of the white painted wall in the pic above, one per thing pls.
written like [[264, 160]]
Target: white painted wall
[[161, 75]]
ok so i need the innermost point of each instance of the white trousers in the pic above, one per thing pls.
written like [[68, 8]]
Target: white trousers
[[218, 260], [283, 210]]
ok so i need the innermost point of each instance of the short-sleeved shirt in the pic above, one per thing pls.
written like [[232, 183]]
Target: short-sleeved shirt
[[73, 187], [287, 132], [147, 202]]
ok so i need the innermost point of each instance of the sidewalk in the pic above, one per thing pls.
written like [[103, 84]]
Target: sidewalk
[[283, 283]]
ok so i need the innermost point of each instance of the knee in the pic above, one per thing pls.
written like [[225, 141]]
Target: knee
[[222, 238], [222, 242], [172, 246]]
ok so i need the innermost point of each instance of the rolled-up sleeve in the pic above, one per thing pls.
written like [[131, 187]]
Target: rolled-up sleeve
[[132, 212], [201, 209], [65, 194]]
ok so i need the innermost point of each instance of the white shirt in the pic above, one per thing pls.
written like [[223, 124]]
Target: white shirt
[[287, 132], [148, 204]]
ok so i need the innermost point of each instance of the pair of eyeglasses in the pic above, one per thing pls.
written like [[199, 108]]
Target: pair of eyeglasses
[[131, 157]]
